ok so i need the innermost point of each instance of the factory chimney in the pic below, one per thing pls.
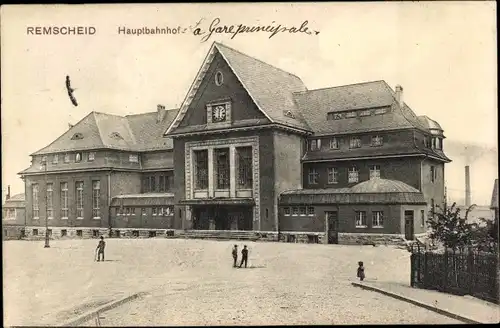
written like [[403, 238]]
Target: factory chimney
[[467, 186]]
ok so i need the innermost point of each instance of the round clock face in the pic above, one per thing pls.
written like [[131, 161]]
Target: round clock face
[[219, 113]]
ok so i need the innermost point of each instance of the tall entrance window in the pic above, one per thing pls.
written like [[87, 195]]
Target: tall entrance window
[[36, 209], [201, 169], [50, 200], [64, 200], [244, 163], [222, 167], [79, 199]]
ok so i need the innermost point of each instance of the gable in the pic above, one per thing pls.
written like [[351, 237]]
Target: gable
[[231, 90], [83, 135]]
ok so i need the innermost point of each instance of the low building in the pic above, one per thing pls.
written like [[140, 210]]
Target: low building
[[14, 216], [373, 211]]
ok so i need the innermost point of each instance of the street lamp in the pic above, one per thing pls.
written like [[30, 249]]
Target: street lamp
[[44, 163]]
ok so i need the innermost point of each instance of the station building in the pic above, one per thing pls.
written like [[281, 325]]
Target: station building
[[252, 150]]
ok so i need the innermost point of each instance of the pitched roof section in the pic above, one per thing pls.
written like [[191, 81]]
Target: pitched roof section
[[368, 95], [270, 88], [89, 137], [141, 132]]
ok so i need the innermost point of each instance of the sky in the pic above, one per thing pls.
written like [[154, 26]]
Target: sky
[[442, 53]]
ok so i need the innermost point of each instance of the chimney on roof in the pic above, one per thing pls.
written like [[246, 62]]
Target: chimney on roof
[[399, 94], [8, 193], [161, 113]]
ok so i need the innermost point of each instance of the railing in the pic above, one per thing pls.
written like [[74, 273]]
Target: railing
[[470, 272]]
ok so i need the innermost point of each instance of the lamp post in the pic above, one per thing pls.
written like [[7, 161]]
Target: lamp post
[[47, 245]]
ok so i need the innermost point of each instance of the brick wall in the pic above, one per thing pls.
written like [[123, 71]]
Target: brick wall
[[71, 179], [406, 170], [287, 165]]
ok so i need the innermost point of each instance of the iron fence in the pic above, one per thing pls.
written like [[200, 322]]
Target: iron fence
[[470, 272]]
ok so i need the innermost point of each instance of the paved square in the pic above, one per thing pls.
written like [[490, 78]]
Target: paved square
[[192, 282]]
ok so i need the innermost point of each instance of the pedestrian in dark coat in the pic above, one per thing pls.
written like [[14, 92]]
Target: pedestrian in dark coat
[[100, 249], [235, 255], [244, 256]]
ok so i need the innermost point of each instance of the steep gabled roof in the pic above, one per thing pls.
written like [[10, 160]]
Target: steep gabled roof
[[367, 95], [139, 132], [270, 88]]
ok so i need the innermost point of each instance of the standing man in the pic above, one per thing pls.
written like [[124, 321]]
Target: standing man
[[100, 249], [235, 255], [244, 254]]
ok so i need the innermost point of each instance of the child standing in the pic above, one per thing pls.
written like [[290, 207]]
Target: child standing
[[361, 271]]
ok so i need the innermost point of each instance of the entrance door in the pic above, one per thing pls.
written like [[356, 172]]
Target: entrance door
[[332, 221], [409, 225]]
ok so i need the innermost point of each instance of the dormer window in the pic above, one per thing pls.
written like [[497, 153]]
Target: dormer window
[[334, 143], [116, 135], [433, 143], [289, 114], [355, 142], [315, 144], [133, 158], [333, 116], [439, 143], [377, 141], [77, 136]]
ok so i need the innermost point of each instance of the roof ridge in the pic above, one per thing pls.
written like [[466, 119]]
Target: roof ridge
[[338, 86], [259, 60], [149, 113]]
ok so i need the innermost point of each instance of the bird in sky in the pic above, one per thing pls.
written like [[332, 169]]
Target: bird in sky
[[70, 91]]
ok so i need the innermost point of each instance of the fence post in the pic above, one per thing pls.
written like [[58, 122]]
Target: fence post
[[412, 269], [470, 271], [445, 271]]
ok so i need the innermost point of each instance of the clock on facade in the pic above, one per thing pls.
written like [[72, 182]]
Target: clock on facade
[[219, 113]]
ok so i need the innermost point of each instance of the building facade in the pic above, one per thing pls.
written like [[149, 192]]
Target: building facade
[[13, 216], [250, 149], [74, 181]]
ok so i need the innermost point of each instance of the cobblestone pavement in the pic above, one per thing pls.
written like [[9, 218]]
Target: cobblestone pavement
[[192, 282]]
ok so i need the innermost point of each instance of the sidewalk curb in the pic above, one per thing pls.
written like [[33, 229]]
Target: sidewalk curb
[[417, 303], [106, 307]]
